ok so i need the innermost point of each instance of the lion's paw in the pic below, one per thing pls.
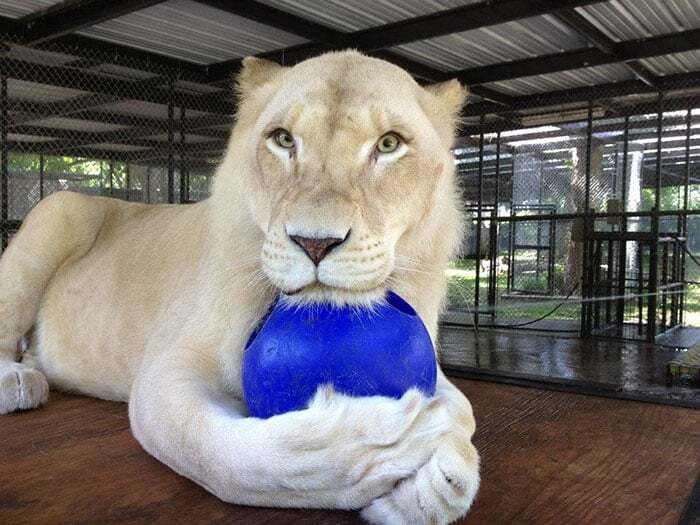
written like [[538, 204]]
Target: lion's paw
[[21, 388], [441, 492]]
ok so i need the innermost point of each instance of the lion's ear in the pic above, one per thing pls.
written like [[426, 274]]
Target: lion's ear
[[451, 94], [254, 73]]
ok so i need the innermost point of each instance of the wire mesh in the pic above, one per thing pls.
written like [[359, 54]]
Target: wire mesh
[[572, 166], [537, 180], [72, 120]]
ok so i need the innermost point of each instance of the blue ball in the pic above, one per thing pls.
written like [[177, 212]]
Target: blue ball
[[384, 351]]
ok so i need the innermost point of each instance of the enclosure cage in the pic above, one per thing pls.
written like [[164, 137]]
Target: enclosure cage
[[595, 208], [559, 185]]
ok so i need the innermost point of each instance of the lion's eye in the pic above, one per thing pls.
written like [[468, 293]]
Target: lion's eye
[[388, 143], [283, 138]]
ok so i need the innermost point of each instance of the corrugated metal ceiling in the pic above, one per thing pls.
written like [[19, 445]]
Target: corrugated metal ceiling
[[18, 8], [354, 15], [677, 63], [194, 32], [563, 80], [504, 42], [190, 31], [630, 19]]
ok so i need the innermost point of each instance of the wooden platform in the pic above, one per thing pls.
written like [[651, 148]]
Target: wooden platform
[[548, 457]]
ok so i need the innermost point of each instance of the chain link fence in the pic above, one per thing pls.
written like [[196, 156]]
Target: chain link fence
[[618, 163], [73, 120], [565, 181]]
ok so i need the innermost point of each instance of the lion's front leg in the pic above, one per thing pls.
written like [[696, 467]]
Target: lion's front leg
[[442, 490], [341, 452]]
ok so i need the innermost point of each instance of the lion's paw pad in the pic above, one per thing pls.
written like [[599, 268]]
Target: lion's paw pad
[[21, 388]]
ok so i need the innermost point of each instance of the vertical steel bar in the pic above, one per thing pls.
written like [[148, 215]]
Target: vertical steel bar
[[609, 281], [586, 309], [184, 168], [128, 181], [659, 131], [111, 177], [148, 184], [42, 168], [664, 283], [640, 287], [4, 175], [171, 141], [493, 241], [622, 252], [652, 287], [684, 224], [479, 199], [596, 286], [655, 228]]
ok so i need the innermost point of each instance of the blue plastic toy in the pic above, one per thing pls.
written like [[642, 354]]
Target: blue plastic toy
[[362, 352]]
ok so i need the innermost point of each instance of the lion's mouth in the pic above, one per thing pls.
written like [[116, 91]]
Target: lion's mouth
[[320, 292]]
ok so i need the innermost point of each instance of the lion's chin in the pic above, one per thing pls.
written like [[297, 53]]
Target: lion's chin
[[321, 293]]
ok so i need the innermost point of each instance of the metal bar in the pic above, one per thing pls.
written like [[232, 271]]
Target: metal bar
[[600, 40], [640, 287], [595, 215], [609, 282], [171, 142], [493, 277], [659, 131], [686, 196], [584, 94], [589, 149], [184, 170], [111, 177], [552, 254], [4, 175], [653, 279], [68, 17], [581, 58], [595, 284], [128, 181], [148, 184], [42, 166], [445, 22], [478, 230], [622, 251]]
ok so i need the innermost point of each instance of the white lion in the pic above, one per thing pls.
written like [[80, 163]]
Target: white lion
[[338, 183]]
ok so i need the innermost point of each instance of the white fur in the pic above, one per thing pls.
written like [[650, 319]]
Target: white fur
[[153, 304]]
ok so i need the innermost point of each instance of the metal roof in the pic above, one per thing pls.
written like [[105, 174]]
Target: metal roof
[[629, 19], [196, 33], [563, 80], [18, 8], [190, 31], [354, 15], [503, 42]]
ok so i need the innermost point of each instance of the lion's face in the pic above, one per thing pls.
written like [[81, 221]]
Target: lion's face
[[346, 162]]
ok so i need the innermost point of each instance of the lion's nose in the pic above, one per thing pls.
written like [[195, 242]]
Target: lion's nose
[[318, 248]]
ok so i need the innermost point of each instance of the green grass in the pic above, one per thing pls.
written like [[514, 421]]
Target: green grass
[[462, 278]]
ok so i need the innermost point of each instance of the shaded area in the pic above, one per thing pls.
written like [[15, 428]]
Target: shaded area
[[627, 369]]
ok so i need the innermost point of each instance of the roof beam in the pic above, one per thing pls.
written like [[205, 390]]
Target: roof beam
[[580, 58], [601, 41], [68, 17], [584, 94], [328, 38], [456, 20], [278, 19], [465, 18]]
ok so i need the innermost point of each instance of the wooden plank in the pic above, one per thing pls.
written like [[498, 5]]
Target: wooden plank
[[548, 457]]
